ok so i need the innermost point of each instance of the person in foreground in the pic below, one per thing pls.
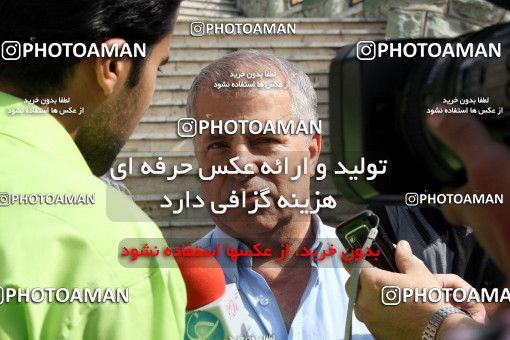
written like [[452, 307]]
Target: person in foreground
[[488, 170], [295, 298], [62, 259]]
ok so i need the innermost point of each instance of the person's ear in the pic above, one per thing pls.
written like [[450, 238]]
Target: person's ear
[[314, 150], [112, 73]]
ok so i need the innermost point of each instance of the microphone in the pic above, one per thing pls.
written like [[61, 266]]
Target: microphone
[[214, 310]]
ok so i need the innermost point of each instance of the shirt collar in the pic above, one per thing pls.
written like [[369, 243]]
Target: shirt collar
[[229, 267], [39, 130]]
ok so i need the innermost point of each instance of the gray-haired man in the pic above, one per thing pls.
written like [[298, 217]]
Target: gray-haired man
[[295, 297]]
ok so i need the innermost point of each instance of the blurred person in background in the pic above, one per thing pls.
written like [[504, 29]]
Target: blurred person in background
[[488, 169]]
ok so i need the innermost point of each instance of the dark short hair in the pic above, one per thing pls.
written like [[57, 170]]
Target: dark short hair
[[84, 21]]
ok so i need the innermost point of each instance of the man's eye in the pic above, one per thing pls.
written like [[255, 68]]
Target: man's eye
[[160, 69], [266, 140]]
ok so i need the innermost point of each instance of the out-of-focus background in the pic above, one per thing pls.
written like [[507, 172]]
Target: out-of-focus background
[[322, 26]]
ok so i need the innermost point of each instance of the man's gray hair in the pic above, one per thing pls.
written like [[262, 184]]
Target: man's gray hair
[[303, 96]]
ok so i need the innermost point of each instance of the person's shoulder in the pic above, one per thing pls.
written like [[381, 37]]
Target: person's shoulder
[[86, 233]]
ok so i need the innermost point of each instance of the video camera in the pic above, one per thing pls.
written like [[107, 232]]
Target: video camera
[[378, 109]]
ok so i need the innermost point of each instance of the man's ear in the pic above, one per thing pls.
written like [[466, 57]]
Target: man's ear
[[112, 73], [314, 150]]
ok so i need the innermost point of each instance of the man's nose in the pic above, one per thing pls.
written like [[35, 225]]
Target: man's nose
[[247, 161]]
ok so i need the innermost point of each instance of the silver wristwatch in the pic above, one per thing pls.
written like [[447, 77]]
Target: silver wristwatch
[[437, 319]]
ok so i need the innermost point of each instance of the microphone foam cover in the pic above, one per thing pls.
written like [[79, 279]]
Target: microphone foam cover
[[204, 279]]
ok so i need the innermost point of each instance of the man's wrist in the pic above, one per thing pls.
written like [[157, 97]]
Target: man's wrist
[[452, 321]]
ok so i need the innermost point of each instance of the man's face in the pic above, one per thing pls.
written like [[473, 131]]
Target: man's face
[[213, 150], [104, 132]]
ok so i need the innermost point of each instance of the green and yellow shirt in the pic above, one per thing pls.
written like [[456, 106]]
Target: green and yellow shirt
[[72, 246]]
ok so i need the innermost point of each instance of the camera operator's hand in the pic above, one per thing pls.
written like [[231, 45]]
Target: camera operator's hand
[[488, 171], [475, 309], [404, 320]]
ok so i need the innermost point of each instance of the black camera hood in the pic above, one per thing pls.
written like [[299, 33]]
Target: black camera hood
[[501, 3]]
